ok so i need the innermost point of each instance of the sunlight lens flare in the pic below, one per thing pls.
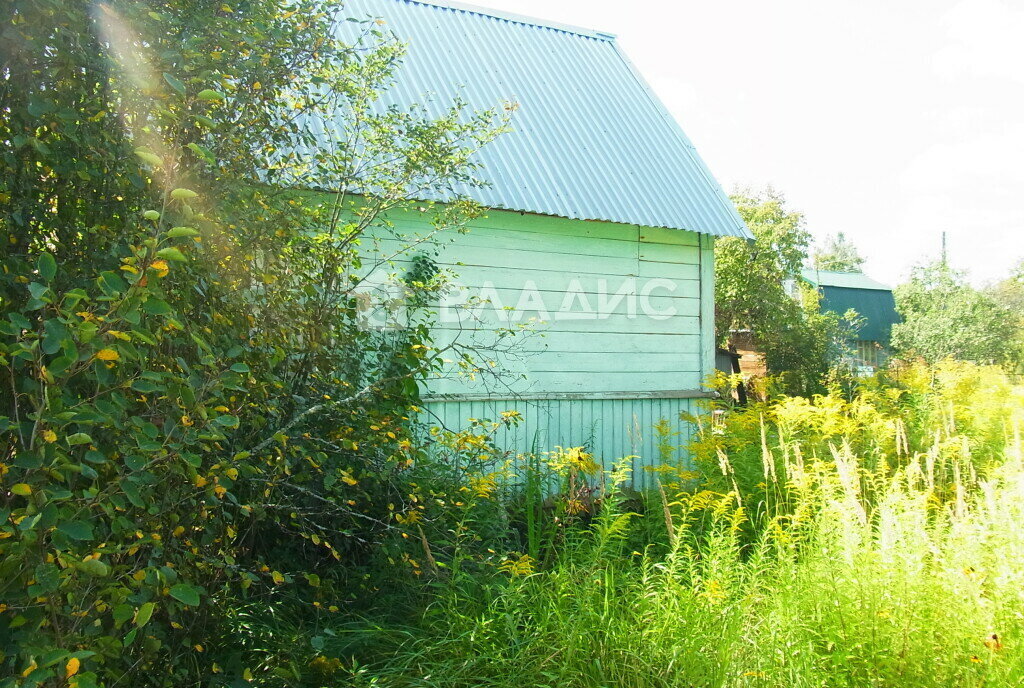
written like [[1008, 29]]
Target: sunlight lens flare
[[129, 61]]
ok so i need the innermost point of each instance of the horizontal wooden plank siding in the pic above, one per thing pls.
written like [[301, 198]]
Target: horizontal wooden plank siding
[[521, 378], [618, 343], [619, 320], [609, 308]]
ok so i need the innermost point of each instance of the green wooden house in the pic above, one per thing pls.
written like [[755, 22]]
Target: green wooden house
[[600, 233], [873, 302]]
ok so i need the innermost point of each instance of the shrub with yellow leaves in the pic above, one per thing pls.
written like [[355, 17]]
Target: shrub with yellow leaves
[[191, 391]]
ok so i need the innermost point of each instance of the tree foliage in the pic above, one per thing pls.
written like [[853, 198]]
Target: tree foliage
[[191, 412], [757, 288], [751, 277], [1009, 292], [838, 255], [945, 317]]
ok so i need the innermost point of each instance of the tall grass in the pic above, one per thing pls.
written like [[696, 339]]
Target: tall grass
[[894, 560]]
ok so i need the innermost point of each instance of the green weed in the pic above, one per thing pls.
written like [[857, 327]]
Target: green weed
[[810, 555]]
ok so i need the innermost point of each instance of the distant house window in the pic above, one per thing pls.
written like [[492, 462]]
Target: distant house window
[[869, 354]]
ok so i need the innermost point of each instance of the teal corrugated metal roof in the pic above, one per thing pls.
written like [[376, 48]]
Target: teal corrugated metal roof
[[589, 140], [849, 280]]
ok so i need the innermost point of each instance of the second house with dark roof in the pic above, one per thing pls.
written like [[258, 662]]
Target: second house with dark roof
[[874, 304]]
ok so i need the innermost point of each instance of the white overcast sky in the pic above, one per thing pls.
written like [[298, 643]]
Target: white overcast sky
[[889, 120]]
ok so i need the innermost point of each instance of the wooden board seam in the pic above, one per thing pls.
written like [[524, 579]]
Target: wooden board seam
[[560, 396]]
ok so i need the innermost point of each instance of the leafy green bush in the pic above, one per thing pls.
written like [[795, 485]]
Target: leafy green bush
[[194, 419]]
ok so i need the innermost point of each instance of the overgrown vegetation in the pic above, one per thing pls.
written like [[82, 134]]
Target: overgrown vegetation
[[210, 471], [825, 542], [195, 424]]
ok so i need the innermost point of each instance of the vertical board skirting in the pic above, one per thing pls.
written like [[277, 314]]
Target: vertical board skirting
[[610, 428]]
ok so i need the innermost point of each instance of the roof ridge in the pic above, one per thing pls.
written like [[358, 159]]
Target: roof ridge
[[514, 17], [835, 279]]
